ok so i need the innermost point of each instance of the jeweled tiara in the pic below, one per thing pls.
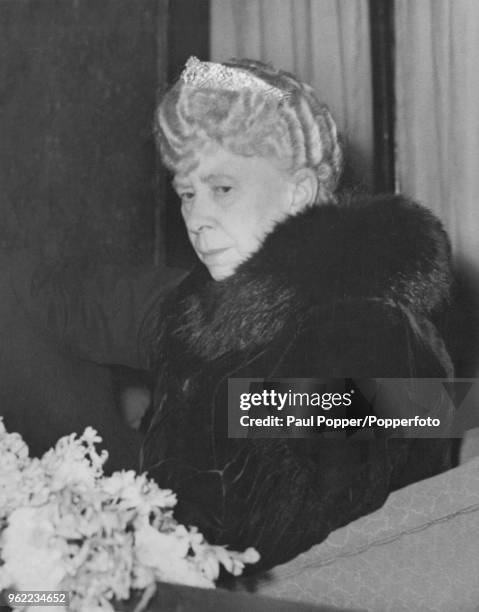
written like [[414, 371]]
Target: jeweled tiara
[[216, 76]]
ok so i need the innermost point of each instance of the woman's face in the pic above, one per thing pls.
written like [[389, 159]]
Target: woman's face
[[229, 204]]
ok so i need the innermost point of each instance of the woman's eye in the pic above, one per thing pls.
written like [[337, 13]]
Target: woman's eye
[[186, 196], [222, 189]]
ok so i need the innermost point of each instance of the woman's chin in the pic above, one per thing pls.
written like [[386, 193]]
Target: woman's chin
[[219, 273]]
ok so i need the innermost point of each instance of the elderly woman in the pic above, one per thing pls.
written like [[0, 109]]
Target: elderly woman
[[291, 282]]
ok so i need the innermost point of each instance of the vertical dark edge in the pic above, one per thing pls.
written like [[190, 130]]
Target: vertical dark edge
[[159, 254], [188, 34], [381, 14]]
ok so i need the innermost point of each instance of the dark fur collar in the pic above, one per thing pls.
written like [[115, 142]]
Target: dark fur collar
[[383, 248]]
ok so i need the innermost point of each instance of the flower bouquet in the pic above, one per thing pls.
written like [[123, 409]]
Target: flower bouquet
[[65, 526]]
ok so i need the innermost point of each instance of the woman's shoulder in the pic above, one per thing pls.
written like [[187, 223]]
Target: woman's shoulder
[[386, 247]]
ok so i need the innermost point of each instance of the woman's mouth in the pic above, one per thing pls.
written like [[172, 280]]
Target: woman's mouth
[[211, 255]]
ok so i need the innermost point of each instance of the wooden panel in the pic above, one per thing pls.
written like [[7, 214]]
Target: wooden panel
[[77, 93]]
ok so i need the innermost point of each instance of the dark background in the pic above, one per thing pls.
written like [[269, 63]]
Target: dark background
[[76, 99], [78, 86]]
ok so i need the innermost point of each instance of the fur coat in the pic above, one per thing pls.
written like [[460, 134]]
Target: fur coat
[[342, 290]]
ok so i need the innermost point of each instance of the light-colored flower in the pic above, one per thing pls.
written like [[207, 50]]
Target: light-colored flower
[[31, 559], [66, 526]]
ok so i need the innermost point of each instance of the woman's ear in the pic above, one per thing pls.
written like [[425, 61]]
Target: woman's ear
[[305, 188]]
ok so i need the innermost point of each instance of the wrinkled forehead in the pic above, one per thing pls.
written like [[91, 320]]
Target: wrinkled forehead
[[226, 158]]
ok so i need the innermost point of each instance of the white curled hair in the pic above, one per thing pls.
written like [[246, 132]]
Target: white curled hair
[[249, 108]]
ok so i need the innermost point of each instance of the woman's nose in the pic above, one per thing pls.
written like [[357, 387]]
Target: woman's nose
[[199, 215]]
